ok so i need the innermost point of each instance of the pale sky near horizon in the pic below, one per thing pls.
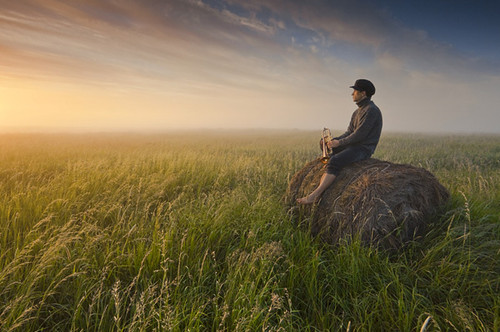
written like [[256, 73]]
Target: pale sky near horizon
[[175, 64]]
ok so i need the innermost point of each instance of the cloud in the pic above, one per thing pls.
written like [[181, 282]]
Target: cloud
[[235, 19], [190, 40], [173, 42], [270, 58], [375, 31]]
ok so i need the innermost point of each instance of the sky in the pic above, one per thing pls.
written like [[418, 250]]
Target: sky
[[120, 65]]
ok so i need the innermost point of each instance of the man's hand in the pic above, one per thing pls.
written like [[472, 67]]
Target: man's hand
[[333, 143]]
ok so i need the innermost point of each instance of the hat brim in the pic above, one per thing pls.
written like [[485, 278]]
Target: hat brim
[[356, 88]]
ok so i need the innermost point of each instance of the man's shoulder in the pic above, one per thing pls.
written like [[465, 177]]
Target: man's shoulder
[[372, 106]]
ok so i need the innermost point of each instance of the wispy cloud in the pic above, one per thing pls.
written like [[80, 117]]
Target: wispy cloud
[[374, 30], [165, 39], [287, 54], [172, 42]]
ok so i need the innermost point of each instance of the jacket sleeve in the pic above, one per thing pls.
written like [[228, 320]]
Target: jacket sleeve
[[350, 129]]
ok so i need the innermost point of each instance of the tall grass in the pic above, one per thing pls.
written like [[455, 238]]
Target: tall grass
[[187, 231]]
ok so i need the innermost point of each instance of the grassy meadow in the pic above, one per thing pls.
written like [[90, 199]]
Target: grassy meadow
[[187, 231]]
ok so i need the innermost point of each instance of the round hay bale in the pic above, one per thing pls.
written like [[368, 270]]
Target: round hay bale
[[382, 203]]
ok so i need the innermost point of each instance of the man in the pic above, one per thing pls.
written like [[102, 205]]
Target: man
[[357, 143]]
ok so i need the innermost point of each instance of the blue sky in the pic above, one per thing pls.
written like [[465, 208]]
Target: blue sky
[[467, 26], [154, 65]]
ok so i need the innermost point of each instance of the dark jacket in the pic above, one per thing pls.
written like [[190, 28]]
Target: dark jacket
[[365, 126]]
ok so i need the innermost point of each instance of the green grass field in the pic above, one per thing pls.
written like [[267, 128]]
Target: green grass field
[[187, 231]]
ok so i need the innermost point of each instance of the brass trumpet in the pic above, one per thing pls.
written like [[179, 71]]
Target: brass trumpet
[[326, 136]]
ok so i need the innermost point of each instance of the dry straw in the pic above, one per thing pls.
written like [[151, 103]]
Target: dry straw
[[382, 203]]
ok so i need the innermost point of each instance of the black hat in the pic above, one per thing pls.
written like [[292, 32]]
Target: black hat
[[364, 85]]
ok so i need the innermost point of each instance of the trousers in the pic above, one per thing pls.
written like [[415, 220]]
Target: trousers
[[344, 156]]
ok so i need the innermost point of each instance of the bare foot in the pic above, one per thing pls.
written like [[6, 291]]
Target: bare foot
[[306, 200]]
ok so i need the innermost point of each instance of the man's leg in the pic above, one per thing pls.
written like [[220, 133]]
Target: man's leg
[[344, 157], [325, 182]]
